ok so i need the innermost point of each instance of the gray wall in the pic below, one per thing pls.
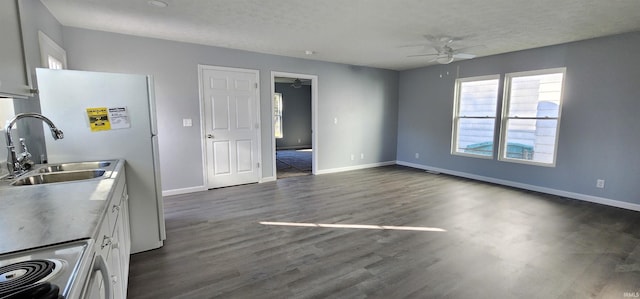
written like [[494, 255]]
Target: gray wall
[[35, 17], [296, 116], [363, 99], [599, 126]]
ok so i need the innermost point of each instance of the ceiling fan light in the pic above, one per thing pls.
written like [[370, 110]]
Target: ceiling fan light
[[445, 59]]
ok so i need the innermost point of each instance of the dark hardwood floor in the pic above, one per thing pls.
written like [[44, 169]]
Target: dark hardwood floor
[[478, 241]]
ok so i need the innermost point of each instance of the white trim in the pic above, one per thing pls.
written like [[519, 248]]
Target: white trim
[[203, 131], [203, 128], [573, 195], [49, 47], [314, 117], [356, 167], [268, 179], [184, 190]]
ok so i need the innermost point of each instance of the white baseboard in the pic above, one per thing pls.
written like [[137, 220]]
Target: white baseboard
[[268, 179], [202, 188], [578, 196], [183, 190], [355, 167]]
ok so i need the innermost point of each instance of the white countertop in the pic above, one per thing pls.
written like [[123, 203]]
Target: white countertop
[[46, 214]]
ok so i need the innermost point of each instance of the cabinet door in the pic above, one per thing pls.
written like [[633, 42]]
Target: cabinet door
[[115, 264], [124, 237], [14, 76], [95, 287], [119, 252]]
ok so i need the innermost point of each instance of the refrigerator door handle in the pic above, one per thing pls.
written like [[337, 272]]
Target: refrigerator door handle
[[152, 105]]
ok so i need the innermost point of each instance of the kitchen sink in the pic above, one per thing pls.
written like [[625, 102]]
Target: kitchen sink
[[67, 172], [74, 166], [58, 177]]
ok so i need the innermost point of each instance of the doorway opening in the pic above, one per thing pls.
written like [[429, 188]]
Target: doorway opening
[[293, 109]]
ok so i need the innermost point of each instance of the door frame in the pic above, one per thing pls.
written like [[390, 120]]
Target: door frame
[[314, 117], [203, 128], [48, 47]]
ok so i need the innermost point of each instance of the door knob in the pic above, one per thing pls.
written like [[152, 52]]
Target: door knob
[[210, 136]]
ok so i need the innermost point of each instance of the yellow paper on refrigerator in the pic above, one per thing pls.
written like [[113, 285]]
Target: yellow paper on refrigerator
[[98, 119]]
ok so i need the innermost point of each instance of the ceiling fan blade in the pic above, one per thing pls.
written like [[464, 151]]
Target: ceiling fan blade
[[432, 59], [463, 56], [422, 55], [413, 45], [470, 47]]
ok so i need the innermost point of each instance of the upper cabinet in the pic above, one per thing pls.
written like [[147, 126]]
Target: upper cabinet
[[14, 74]]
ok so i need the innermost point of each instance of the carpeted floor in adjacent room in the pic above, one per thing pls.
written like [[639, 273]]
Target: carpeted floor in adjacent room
[[292, 163]]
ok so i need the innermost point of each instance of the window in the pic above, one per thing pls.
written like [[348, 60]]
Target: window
[[476, 101], [54, 63], [530, 116], [51, 54], [277, 114]]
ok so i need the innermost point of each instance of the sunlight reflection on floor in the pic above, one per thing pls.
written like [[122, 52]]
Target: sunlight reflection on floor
[[362, 226]]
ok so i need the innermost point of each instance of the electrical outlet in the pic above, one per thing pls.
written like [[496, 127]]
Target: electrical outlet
[[361, 156], [417, 156], [299, 140], [353, 157], [187, 122], [600, 183]]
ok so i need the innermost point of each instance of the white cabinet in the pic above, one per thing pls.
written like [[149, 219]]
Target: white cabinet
[[14, 74], [112, 248], [120, 245]]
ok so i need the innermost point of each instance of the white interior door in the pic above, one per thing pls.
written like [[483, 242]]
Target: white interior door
[[231, 120]]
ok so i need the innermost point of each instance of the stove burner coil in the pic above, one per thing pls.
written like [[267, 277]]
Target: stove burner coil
[[18, 275]]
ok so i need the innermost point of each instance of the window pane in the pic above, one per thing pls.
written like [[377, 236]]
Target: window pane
[[478, 98], [277, 115], [54, 63], [535, 96], [475, 136], [476, 104], [531, 139]]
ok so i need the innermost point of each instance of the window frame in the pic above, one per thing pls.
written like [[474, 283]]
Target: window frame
[[504, 116], [456, 114]]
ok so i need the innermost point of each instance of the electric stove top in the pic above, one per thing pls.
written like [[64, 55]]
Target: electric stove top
[[48, 270]]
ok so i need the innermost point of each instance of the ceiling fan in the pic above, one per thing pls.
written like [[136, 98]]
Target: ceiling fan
[[297, 83], [445, 52]]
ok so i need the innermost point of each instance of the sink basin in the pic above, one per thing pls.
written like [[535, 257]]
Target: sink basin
[[67, 172], [58, 177], [74, 166]]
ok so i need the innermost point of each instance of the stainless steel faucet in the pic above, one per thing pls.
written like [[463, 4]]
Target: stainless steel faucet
[[15, 165]]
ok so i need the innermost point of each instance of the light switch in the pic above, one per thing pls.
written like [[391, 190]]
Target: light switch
[[187, 122]]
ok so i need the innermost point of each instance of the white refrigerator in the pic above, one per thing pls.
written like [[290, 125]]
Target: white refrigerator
[[69, 98]]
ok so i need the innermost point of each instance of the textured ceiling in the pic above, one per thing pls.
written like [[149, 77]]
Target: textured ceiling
[[359, 32]]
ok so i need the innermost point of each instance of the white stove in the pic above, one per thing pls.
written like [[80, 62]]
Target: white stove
[[49, 272]]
